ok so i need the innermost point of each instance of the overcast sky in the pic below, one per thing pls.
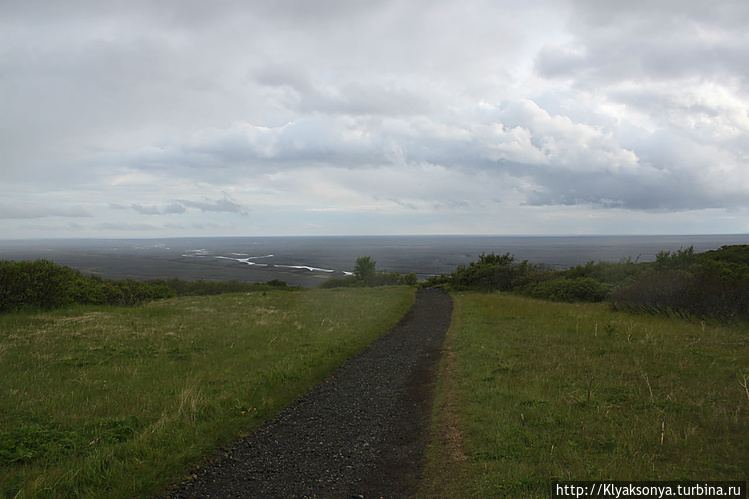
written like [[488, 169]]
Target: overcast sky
[[166, 118]]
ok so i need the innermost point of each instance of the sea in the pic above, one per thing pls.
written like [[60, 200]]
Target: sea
[[309, 260]]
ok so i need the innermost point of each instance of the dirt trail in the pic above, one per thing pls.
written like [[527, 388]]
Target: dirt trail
[[361, 433]]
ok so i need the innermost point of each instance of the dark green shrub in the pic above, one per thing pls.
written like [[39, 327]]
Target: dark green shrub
[[43, 284], [706, 293], [612, 273], [387, 279], [569, 289], [40, 283], [410, 279], [204, 288], [681, 259], [437, 281], [277, 283], [655, 292], [365, 274], [341, 282], [490, 272]]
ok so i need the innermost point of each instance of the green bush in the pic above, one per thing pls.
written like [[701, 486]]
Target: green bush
[[712, 285], [365, 274], [39, 284], [341, 282], [46, 285], [410, 279], [494, 273], [705, 293], [488, 273], [608, 272], [681, 259], [570, 289], [206, 288]]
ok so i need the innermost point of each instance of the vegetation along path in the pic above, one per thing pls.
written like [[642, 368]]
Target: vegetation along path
[[361, 433]]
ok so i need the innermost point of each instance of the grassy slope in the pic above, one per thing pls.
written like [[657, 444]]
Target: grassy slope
[[119, 401], [562, 391]]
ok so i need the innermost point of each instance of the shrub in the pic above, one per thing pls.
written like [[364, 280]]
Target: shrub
[[204, 288], [704, 294], [488, 273], [365, 274], [40, 283], [341, 282], [410, 279], [569, 289], [681, 259], [655, 292], [612, 273], [43, 284]]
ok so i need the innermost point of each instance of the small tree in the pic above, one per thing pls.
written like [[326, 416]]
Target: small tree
[[364, 270]]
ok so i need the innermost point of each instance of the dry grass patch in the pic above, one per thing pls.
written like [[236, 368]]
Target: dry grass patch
[[446, 470]]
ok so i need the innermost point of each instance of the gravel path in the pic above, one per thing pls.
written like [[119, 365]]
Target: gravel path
[[361, 433]]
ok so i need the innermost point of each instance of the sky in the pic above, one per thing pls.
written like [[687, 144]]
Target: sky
[[134, 118]]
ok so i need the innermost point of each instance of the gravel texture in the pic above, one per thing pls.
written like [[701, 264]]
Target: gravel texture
[[361, 433]]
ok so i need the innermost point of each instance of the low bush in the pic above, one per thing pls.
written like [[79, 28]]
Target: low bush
[[207, 288], [569, 289], [707, 286], [341, 282], [366, 274], [701, 295], [608, 272], [42, 284]]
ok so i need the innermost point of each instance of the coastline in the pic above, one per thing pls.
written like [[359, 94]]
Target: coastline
[[308, 261]]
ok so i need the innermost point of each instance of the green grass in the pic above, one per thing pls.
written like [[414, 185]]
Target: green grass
[[575, 391], [104, 401]]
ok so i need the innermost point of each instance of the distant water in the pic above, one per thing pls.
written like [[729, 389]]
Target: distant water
[[309, 260]]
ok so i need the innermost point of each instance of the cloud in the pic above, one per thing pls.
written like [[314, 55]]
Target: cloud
[[347, 97], [551, 158], [674, 78], [174, 208], [128, 227], [146, 210], [180, 206], [649, 41], [30, 211], [224, 205], [201, 113]]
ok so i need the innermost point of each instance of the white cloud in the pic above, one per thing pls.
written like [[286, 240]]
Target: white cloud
[[180, 206], [442, 113], [33, 210]]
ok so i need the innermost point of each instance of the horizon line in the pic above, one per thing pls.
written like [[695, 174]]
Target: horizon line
[[140, 238]]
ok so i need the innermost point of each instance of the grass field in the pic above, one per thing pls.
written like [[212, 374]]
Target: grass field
[[545, 391], [120, 401]]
